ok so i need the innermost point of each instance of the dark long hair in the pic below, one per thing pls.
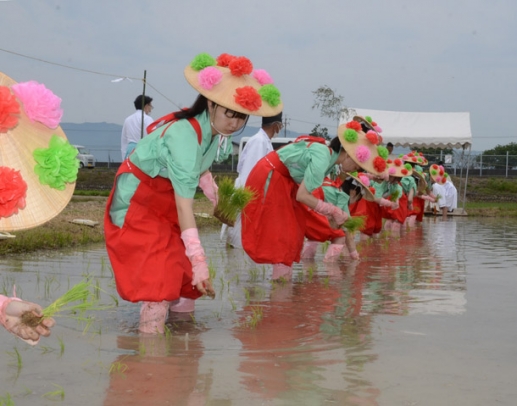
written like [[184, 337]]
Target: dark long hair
[[200, 105], [335, 144]]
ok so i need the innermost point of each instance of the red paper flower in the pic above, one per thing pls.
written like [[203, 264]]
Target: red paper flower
[[372, 189], [372, 137], [389, 161], [224, 60], [441, 172], [434, 166], [379, 164], [374, 124], [240, 65], [397, 162], [404, 171], [248, 98], [354, 125], [9, 110], [12, 191]]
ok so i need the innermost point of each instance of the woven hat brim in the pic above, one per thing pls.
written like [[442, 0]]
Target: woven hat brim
[[351, 149], [368, 195], [43, 203], [398, 171], [224, 92], [422, 183]]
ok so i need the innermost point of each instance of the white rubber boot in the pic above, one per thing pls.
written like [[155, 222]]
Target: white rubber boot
[[309, 249], [182, 305], [333, 252], [282, 271], [153, 316]]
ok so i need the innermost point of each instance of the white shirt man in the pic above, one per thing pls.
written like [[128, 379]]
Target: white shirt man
[[132, 128], [255, 149]]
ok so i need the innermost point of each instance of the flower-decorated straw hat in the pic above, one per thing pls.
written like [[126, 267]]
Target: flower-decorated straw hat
[[438, 174], [38, 166], [415, 157], [232, 82], [418, 172], [399, 169], [363, 148], [360, 179]]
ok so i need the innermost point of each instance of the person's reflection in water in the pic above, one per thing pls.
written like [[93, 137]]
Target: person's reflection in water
[[161, 370], [290, 353]]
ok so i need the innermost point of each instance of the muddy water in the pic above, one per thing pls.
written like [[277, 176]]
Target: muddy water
[[427, 319]]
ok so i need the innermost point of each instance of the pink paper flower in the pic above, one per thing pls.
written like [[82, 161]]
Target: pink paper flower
[[39, 103], [362, 153], [209, 77], [262, 77], [364, 179]]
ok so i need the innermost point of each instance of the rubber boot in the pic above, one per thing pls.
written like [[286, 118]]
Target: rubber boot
[[152, 317], [282, 271], [309, 249], [333, 252], [182, 305]]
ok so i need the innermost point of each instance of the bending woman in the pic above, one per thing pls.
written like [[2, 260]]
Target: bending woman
[[151, 234], [274, 222]]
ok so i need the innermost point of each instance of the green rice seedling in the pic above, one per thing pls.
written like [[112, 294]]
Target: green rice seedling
[[232, 303], [254, 274], [354, 223], [59, 393], [75, 302], [326, 281], [61, 346], [394, 195], [18, 357], [231, 201], [310, 273], [118, 367], [257, 314], [247, 295], [212, 272], [6, 400]]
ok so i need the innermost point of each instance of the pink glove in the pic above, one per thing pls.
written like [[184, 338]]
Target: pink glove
[[354, 255], [385, 202], [331, 211], [428, 198], [196, 254], [209, 187]]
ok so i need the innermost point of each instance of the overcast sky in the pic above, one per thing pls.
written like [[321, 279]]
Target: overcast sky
[[412, 55]]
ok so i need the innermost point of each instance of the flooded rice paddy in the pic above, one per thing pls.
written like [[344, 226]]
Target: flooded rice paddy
[[426, 319]]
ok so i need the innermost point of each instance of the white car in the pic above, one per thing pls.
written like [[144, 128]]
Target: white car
[[86, 160]]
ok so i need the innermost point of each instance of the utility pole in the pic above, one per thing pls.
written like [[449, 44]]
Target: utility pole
[[286, 121], [143, 104]]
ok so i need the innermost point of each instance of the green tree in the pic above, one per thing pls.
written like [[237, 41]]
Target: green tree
[[330, 104], [320, 132], [496, 157]]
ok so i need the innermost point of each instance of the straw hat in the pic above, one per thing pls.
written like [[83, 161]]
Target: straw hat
[[418, 172], [38, 167], [364, 149], [438, 174], [416, 158], [399, 169], [232, 82], [363, 181]]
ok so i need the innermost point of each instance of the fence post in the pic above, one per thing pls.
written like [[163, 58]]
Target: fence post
[[507, 161]]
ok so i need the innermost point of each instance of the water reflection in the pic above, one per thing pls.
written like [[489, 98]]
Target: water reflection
[[352, 333]]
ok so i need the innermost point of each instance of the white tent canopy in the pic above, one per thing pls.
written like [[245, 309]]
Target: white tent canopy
[[417, 129]]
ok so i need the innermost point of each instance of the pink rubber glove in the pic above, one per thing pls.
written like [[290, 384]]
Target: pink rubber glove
[[385, 202], [354, 255], [209, 187], [428, 198], [196, 254], [331, 211], [11, 311]]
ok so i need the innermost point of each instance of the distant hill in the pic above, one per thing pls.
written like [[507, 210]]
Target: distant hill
[[103, 139]]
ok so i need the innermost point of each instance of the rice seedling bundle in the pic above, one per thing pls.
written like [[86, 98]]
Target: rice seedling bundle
[[231, 201]]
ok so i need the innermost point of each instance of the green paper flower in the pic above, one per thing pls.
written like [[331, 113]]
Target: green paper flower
[[270, 94], [201, 61], [350, 135], [408, 166], [57, 164], [369, 119], [383, 152]]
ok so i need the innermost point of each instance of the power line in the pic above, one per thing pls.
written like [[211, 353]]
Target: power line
[[90, 71]]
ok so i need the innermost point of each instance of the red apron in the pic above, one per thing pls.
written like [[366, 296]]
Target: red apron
[[273, 224], [399, 214], [418, 208], [317, 225], [373, 214], [147, 253]]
